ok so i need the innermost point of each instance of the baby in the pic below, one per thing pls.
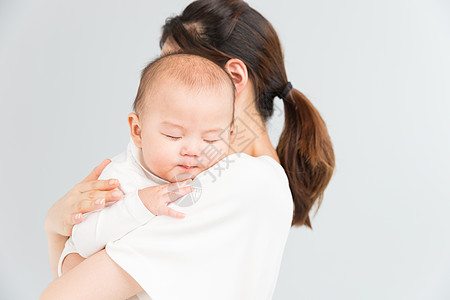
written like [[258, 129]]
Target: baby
[[184, 111]]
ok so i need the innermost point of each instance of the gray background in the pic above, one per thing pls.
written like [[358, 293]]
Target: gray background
[[378, 71]]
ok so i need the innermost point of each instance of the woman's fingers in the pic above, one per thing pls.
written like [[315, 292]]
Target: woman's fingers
[[93, 200], [97, 171], [89, 205], [102, 185], [76, 218], [68, 210], [71, 220]]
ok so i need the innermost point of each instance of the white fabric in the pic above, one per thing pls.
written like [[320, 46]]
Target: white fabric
[[229, 245]]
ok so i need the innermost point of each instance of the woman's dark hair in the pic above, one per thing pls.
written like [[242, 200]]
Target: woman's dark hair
[[224, 29]]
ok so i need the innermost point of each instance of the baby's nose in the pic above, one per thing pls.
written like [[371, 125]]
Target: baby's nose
[[192, 148]]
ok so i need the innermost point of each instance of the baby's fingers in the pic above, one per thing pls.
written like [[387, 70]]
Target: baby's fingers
[[179, 192], [167, 211]]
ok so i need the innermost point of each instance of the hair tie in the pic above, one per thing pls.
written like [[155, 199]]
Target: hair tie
[[286, 90]]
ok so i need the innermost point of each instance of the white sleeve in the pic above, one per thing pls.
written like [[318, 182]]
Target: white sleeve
[[111, 222], [69, 247]]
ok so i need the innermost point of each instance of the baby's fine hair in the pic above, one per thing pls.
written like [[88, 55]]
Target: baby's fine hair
[[192, 71]]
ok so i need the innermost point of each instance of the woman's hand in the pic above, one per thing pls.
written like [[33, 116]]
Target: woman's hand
[[88, 195], [156, 198]]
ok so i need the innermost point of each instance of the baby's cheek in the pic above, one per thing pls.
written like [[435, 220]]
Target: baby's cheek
[[220, 151], [224, 147]]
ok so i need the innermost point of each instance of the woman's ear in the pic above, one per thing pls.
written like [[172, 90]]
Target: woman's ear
[[135, 129], [238, 71]]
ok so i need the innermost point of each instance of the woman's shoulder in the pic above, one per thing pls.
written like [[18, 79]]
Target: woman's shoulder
[[260, 169], [240, 167], [249, 179], [265, 174], [265, 185]]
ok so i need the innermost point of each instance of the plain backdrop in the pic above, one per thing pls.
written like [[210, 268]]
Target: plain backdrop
[[378, 71]]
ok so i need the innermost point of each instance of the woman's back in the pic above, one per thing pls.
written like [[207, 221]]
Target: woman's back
[[230, 244]]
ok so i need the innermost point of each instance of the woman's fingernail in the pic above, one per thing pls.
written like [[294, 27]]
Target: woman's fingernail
[[99, 201], [112, 182], [116, 194]]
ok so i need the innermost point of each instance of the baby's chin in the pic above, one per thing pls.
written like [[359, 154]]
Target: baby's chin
[[182, 174]]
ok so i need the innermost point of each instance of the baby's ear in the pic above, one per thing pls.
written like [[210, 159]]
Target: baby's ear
[[135, 129], [231, 128]]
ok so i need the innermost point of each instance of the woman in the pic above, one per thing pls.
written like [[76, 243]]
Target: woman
[[244, 42]]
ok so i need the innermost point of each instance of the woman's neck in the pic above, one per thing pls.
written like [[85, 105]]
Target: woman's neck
[[250, 133]]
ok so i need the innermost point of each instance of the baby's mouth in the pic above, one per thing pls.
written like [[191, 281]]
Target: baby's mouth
[[186, 167]]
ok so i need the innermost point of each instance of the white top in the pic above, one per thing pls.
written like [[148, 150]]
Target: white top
[[229, 245]]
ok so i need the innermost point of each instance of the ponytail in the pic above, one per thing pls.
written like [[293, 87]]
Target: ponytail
[[306, 154], [223, 29]]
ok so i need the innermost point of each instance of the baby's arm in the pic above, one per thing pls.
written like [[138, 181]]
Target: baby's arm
[[107, 224], [112, 222]]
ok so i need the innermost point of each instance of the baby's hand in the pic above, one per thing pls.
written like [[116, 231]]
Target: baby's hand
[[157, 198]]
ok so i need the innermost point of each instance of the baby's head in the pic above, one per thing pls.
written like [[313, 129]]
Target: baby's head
[[184, 112]]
